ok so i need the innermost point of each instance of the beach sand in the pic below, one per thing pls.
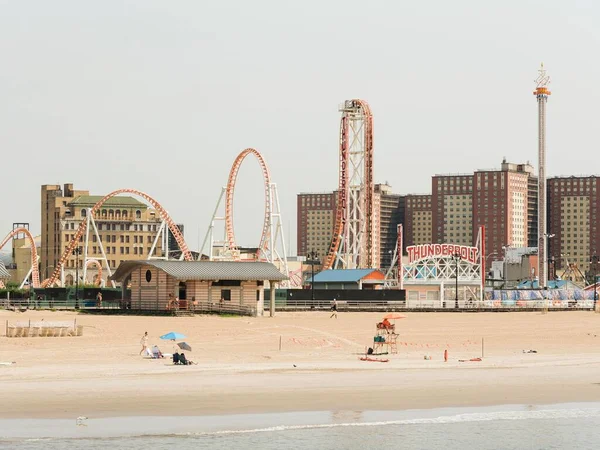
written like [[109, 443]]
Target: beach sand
[[242, 370]]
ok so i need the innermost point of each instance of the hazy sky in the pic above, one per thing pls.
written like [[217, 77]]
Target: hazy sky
[[162, 95]]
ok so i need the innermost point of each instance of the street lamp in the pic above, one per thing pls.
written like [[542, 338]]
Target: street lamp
[[456, 257], [547, 236], [77, 252], [504, 266], [312, 259], [594, 267]]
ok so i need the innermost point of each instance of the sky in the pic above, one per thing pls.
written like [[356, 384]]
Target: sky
[[161, 96]]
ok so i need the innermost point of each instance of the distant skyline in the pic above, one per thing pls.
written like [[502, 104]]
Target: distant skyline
[[162, 96]]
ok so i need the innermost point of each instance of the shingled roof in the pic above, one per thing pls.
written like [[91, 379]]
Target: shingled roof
[[205, 270]]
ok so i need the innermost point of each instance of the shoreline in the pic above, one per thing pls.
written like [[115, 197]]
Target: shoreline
[[16, 430]]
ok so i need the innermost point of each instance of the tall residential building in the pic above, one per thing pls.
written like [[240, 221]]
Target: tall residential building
[[418, 220], [54, 205], [390, 214], [501, 204], [573, 213], [315, 222], [452, 209], [532, 210], [126, 228]]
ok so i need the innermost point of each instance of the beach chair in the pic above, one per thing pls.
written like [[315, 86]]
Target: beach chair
[[34, 332], [10, 332], [55, 331], [79, 330], [18, 331]]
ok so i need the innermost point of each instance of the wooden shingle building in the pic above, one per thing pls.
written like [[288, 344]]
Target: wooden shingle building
[[198, 285]]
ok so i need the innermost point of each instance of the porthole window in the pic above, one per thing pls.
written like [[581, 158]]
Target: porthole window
[[148, 276]]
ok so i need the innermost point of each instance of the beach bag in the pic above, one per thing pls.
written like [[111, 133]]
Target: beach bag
[[175, 358], [370, 351]]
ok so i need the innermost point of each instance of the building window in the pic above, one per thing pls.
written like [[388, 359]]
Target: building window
[[138, 214]]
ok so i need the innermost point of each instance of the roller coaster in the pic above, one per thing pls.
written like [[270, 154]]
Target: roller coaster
[[33, 271], [353, 244], [271, 246]]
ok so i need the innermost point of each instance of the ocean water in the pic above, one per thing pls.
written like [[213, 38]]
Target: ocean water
[[567, 426]]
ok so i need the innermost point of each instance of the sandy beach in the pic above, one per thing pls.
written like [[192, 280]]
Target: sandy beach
[[242, 370]]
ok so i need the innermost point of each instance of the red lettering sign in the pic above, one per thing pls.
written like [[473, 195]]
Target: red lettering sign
[[419, 252]]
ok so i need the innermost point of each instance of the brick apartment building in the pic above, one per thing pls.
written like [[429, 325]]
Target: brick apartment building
[[573, 213], [503, 200], [417, 220]]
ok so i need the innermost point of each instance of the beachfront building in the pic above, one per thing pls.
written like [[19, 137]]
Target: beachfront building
[[350, 279], [237, 286]]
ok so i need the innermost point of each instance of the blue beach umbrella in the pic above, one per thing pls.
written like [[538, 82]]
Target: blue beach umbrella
[[173, 336]]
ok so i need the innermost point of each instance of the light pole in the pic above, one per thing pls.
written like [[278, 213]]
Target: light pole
[[312, 259], [77, 252], [456, 257], [594, 267], [504, 266], [547, 237]]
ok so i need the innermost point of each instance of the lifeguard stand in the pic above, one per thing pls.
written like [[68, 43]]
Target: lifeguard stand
[[385, 339]]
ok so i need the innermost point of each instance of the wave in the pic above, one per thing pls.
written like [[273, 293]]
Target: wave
[[458, 418], [514, 415]]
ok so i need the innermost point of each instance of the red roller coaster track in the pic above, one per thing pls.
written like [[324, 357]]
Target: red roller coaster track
[[229, 199], [35, 274], [95, 262], [341, 232], [164, 215]]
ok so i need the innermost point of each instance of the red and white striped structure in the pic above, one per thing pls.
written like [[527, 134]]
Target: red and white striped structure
[[353, 245], [271, 246], [86, 225], [34, 270]]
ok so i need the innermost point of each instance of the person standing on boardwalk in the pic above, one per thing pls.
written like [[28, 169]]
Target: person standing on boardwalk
[[144, 342], [334, 309]]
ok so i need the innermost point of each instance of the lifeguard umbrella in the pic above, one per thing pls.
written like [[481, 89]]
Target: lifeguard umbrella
[[393, 316], [173, 336]]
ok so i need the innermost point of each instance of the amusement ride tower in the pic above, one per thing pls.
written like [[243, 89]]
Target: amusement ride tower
[[353, 243], [542, 92]]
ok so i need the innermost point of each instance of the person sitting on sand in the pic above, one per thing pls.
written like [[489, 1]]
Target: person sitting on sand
[[156, 353]]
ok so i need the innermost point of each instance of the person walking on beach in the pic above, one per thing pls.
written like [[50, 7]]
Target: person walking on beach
[[144, 342], [334, 309]]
